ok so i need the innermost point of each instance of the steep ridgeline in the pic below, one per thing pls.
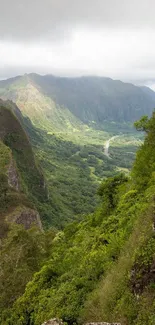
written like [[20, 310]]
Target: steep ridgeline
[[24, 121], [98, 99], [69, 103], [43, 110], [14, 136], [103, 268], [22, 183], [23, 243]]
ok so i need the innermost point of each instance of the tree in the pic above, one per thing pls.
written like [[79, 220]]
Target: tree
[[144, 164], [109, 191], [142, 124]]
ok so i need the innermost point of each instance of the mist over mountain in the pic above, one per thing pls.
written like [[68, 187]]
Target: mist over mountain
[[88, 100], [97, 98]]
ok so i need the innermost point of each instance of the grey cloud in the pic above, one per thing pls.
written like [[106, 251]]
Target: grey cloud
[[53, 19], [113, 38]]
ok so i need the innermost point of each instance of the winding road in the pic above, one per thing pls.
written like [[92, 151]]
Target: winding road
[[107, 145]]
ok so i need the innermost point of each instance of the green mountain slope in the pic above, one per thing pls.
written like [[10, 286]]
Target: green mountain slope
[[102, 269], [43, 111], [22, 191], [13, 135], [72, 171], [68, 103], [22, 180], [70, 152], [97, 99]]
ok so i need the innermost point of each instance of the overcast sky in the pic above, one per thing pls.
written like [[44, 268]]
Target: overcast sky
[[113, 38]]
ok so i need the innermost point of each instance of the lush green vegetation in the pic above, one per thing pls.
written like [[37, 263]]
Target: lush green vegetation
[[75, 170], [73, 165], [21, 254], [17, 162], [72, 119], [96, 100], [101, 269], [70, 104], [15, 138]]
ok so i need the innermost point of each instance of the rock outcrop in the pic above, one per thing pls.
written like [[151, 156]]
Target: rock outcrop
[[27, 217], [53, 321], [13, 179]]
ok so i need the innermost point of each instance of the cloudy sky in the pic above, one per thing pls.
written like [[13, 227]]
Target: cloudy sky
[[114, 38]]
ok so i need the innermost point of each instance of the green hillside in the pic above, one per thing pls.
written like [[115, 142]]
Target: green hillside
[[13, 135], [71, 104], [61, 194], [70, 150], [74, 170], [101, 269], [22, 180], [97, 99], [22, 191], [43, 111]]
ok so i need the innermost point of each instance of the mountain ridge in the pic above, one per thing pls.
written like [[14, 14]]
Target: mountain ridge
[[18, 167], [80, 101]]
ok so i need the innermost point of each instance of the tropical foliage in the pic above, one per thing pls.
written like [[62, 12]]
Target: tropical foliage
[[98, 269]]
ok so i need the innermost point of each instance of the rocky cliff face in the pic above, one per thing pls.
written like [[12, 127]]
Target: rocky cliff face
[[27, 217], [19, 173], [13, 177], [23, 215]]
